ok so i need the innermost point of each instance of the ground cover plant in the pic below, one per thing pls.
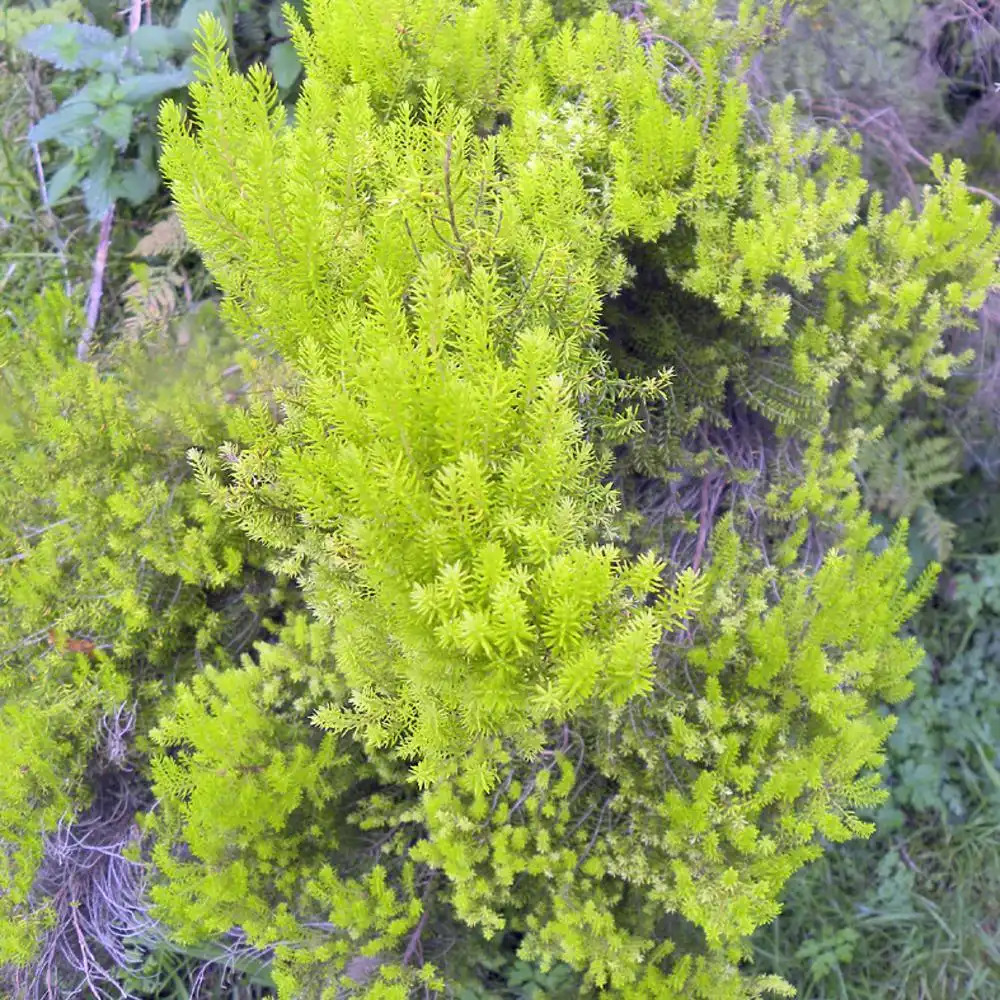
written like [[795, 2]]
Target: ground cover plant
[[482, 601]]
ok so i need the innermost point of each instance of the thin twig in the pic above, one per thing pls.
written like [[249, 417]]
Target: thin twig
[[104, 240], [415, 937], [414, 941], [57, 240], [451, 204], [413, 242], [706, 516], [134, 16], [96, 285]]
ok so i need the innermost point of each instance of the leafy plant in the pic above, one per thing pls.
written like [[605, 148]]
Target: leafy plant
[[19, 20], [105, 124], [114, 577], [39, 244], [408, 688], [168, 971], [476, 606], [111, 155], [909, 914], [902, 471], [913, 911]]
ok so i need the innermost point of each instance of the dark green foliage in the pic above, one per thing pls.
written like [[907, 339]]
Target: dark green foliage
[[117, 82], [912, 914], [910, 76], [110, 155], [902, 471], [943, 755], [169, 971]]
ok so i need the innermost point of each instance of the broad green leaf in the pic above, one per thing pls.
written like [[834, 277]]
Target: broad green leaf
[[276, 20], [153, 42], [100, 90], [64, 179], [116, 122], [147, 149], [138, 184], [74, 46], [285, 64], [145, 87], [104, 12], [97, 192], [75, 116], [187, 17]]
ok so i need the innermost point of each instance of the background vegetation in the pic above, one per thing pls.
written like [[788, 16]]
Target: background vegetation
[[912, 911]]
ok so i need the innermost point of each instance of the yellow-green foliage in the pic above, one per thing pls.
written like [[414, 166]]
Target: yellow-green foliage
[[245, 789], [112, 565], [431, 482], [429, 245], [493, 714], [103, 532], [18, 21]]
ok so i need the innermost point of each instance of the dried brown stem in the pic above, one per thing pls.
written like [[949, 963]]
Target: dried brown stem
[[703, 526]]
